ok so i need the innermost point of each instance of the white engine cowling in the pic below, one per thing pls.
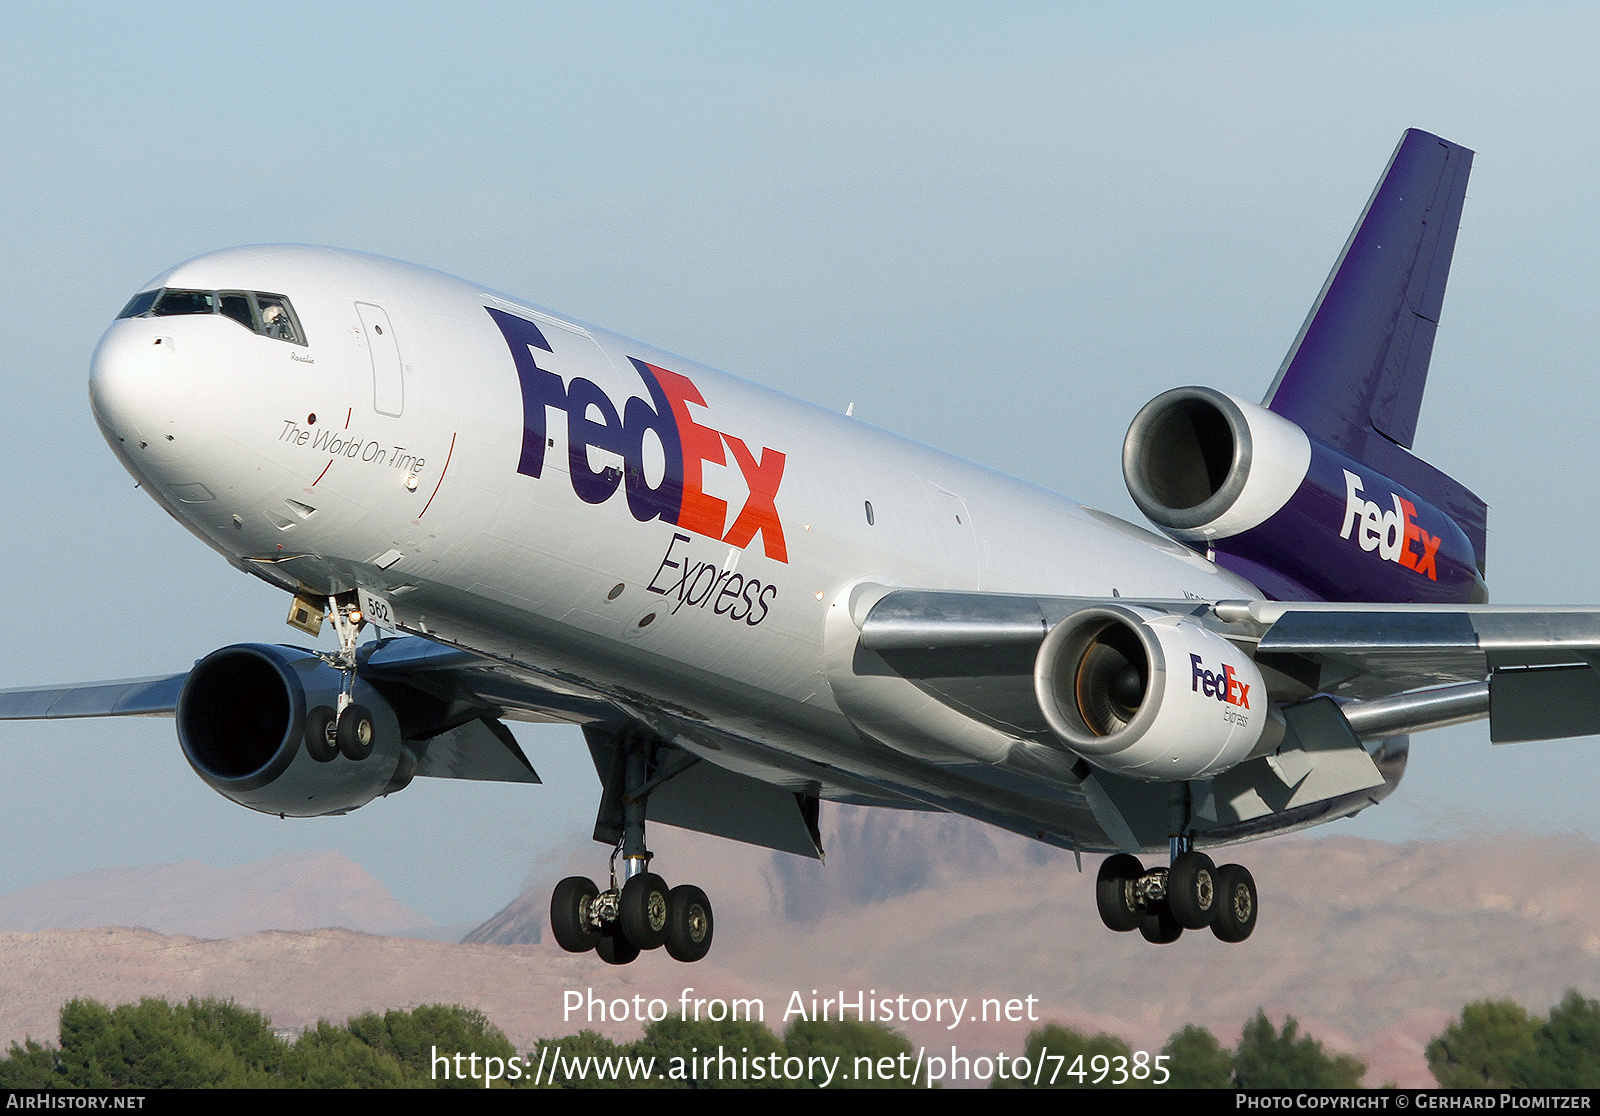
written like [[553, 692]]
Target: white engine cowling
[[1149, 695], [1205, 465]]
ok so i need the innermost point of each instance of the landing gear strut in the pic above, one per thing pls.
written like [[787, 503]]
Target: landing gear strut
[[347, 729], [637, 912]]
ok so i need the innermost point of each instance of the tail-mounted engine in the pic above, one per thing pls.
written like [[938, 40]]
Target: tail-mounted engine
[[252, 720], [1152, 696], [1290, 513]]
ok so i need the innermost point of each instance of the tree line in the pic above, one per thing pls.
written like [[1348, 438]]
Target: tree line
[[216, 1043]]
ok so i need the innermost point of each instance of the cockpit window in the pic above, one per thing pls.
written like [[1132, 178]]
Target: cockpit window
[[139, 304], [267, 314], [172, 303], [277, 318], [236, 305]]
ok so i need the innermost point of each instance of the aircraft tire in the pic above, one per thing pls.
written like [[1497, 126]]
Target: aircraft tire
[[356, 732], [689, 923], [1237, 903], [613, 948], [321, 744], [642, 911], [1113, 892], [569, 909], [1158, 926], [1192, 890]]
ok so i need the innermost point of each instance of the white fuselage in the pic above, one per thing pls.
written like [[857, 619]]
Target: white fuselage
[[714, 630]]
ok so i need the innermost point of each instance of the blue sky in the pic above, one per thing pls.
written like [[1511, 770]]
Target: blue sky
[[998, 229]]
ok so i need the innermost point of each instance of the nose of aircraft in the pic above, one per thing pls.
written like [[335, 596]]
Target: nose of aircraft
[[141, 387], [137, 384]]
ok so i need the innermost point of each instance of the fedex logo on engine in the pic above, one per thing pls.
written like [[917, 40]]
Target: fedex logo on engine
[[593, 421], [1391, 533], [1224, 685]]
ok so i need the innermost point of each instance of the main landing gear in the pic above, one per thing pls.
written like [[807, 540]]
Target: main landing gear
[[1162, 903], [637, 912], [620, 923]]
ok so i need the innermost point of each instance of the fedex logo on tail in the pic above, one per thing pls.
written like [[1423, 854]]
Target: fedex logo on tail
[[1392, 534], [593, 421], [1223, 685]]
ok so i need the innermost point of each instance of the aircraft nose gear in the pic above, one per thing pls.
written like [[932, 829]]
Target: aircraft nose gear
[[637, 912], [1163, 902], [348, 729]]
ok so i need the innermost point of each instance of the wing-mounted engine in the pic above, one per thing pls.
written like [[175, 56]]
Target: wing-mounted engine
[[247, 716], [1291, 513], [1152, 696]]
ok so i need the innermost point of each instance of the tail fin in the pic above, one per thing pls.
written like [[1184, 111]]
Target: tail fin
[[1354, 376]]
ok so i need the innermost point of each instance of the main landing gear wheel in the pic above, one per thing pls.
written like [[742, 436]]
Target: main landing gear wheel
[[689, 923], [1115, 892], [1192, 890], [1158, 926], [613, 948], [1236, 903], [570, 921], [355, 732], [322, 742], [642, 911]]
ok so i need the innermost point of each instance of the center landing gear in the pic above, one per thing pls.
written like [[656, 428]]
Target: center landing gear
[[1162, 903], [637, 912]]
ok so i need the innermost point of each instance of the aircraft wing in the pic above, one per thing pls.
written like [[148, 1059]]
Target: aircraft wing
[[129, 697], [466, 739], [1531, 670]]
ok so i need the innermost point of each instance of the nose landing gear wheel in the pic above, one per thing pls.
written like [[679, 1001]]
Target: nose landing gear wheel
[[1192, 890], [355, 732], [1236, 903], [570, 905], [642, 910], [689, 923], [322, 744], [1114, 892]]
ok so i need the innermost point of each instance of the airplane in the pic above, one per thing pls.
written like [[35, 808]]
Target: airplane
[[750, 604]]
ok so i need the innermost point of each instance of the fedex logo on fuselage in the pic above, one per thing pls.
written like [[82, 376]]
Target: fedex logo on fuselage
[[593, 420], [1223, 685], [1391, 533]]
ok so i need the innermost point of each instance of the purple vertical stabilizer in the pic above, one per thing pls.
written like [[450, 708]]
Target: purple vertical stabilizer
[[1354, 377]]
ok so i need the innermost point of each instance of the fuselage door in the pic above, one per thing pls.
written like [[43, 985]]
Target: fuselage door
[[388, 374]]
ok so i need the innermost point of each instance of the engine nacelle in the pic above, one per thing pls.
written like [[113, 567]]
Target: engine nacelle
[[1287, 511], [242, 724], [1149, 695]]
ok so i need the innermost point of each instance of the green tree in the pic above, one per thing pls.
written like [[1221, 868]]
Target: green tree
[[1271, 1059], [156, 1045], [1196, 1060], [1478, 1051], [416, 1038], [31, 1066], [217, 1043], [696, 1053], [1566, 1048], [330, 1057], [1070, 1058], [849, 1040], [558, 1053]]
